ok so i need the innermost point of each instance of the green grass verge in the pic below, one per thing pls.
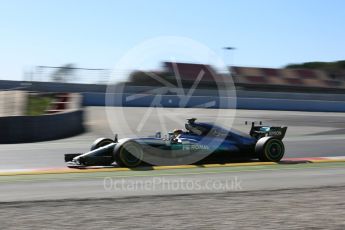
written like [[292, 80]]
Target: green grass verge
[[37, 105]]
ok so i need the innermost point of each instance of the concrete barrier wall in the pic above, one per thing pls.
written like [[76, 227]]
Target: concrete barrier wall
[[98, 99], [13, 103], [18, 129]]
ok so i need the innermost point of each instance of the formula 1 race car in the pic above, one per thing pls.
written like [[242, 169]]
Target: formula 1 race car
[[199, 140]]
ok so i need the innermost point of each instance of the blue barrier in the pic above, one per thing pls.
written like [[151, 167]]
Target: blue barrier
[[290, 105], [172, 101], [129, 100]]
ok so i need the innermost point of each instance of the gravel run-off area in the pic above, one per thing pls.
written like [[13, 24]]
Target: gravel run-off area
[[307, 208]]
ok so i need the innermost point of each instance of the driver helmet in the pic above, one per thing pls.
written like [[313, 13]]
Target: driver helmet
[[177, 132]]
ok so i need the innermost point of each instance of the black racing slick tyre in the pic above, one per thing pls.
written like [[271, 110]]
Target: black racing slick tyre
[[129, 155], [270, 149], [100, 142]]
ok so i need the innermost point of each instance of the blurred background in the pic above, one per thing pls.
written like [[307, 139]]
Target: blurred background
[[60, 56]]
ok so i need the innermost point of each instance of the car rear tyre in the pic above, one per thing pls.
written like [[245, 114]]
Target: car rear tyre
[[100, 142], [270, 149], [129, 155]]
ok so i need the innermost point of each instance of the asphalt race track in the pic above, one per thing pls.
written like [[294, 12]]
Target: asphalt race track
[[170, 182], [309, 134], [281, 196]]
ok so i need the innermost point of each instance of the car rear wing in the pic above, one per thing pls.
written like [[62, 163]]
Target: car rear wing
[[259, 131]]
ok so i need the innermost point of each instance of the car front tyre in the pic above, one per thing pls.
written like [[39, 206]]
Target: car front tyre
[[129, 155], [100, 142]]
